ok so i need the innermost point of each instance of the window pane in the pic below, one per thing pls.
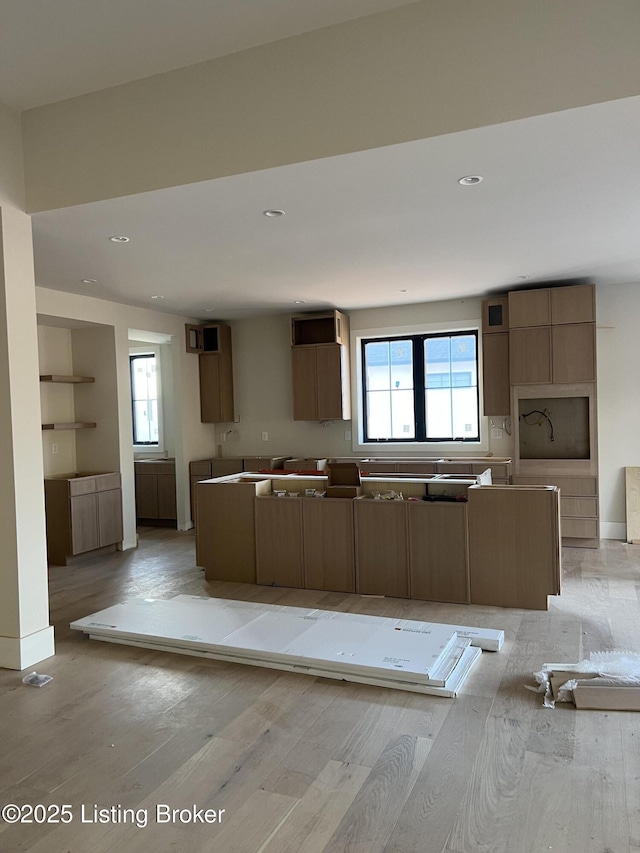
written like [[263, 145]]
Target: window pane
[[464, 361], [377, 365], [378, 414], [438, 413], [144, 392], [401, 364], [464, 403], [402, 416], [437, 362]]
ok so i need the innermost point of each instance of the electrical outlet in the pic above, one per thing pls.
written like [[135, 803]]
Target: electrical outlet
[[265, 436], [347, 435], [496, 433], [54, 448]]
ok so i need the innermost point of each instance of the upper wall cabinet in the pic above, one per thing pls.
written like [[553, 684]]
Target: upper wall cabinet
[[552, 337], [331, 327], [213, 343], [320, 366], [529, 308], [495, 315], [210, 337]]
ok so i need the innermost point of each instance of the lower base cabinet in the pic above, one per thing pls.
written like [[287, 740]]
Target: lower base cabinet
[[329, 561], [84, 513], [156, 490], [279, 541], [382, 559], [438, 551]]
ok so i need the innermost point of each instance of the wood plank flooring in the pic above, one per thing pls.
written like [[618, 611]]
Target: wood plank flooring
[[309, 765]]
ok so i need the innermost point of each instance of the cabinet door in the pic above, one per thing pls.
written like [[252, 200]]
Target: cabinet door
[[530, 355], [495, 372], [529, 308], [381, 548], [110, 517], [147, 496], [330, 376], [279, 541], [574, 353], [438, 552], [84, 523], [167, 496], [328, 544], [574, 304], [305, 385]]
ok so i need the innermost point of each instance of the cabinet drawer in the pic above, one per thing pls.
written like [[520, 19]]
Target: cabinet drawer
[[82, 486], [579, 507], [200, 469], [107, 481], [148, 468], [579, 528]]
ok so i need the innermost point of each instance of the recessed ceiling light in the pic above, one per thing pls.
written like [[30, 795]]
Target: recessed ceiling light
[[156, 297], [119, 239], [208, 310], [470, 180], [523, 277], [89, 280], [273, 213], [402, 291], [300, 302]]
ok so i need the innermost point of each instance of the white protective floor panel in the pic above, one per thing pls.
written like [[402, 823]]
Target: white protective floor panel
[[402, 653]]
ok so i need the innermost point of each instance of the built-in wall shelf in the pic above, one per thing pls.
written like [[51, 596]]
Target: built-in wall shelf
[[69, 426], [73, 380]]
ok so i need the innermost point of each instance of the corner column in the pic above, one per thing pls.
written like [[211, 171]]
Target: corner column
[[25, 634]]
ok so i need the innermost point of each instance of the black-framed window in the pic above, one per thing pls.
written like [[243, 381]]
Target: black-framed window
[[420, 388], [144, 399]]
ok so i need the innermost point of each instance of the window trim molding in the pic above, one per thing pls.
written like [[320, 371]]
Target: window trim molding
[[401, 447], [149, 449]]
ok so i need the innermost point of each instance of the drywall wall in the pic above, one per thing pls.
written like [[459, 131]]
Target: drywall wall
[[422, 70], [11, 159], [618, 309], [57, 400]]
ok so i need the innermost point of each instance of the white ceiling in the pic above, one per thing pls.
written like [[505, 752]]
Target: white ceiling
[[558, 202], [94, 44]]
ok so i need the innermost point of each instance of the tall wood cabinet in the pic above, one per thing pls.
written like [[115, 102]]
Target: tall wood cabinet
[[553, 368], [320, 366], [495, 356], [212, 342]]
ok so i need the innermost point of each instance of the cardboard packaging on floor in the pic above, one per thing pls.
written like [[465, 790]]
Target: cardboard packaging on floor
[[591, 691]]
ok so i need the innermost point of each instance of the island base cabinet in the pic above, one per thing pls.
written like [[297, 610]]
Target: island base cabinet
[[514, 545], [279, 541], [381, 547], [329, 562], [438, 551]]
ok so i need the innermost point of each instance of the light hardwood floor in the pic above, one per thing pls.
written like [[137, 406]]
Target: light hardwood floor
[[304, 765]]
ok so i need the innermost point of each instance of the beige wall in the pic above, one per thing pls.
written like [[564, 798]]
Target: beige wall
[[422, 70], [618, 309], [56, 400]]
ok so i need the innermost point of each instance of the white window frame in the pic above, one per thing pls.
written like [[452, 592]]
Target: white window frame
[[146, 449], [415, 448]]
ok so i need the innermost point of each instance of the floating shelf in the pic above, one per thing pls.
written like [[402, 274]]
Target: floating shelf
[[74, 380], [69, 426]]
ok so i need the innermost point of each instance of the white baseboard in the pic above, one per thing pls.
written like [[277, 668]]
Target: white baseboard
[[23, 652], [613, 530]]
